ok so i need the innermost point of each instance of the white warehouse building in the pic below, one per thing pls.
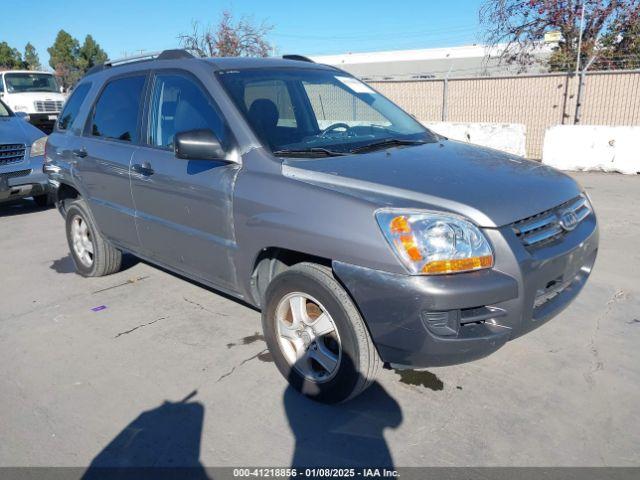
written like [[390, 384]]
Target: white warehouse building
[[463, 61]]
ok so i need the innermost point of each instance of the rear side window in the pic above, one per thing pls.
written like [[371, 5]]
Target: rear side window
[[72, 106], [115, 114]]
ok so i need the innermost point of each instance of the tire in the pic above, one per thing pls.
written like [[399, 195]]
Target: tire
[[104, 259], [357, 359], [45, 200]]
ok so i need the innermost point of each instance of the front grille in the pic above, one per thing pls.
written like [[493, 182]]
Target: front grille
[[11, 153], [552, 224], [19, 173], [44, 106]]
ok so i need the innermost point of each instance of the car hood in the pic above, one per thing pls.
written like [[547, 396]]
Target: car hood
[[17, 130], [490, 187]]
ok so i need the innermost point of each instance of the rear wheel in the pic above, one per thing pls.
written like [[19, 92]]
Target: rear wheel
[[316, 335], [92, 254]]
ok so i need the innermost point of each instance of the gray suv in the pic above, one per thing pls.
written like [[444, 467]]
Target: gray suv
[[364, 238]]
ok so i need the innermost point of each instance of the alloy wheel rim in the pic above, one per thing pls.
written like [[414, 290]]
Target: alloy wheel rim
[[308, 337], [82, 241]]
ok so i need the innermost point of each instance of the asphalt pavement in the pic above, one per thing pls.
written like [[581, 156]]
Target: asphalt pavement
[[145, 368]]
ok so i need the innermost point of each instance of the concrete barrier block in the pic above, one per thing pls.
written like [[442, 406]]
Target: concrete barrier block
[[508, 137], [593, 147]]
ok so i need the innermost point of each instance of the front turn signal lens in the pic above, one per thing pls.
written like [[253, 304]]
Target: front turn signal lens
[[461, 265]]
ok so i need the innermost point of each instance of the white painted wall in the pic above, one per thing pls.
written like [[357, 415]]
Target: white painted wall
[[593, 147], [508, 137]]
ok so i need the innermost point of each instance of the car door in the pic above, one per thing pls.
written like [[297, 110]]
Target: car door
[[183, 207], [103, 156]]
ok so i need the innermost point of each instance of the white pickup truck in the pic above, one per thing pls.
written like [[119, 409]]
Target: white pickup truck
[[37, 94]]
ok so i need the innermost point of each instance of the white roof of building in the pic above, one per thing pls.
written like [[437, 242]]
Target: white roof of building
[[468, 51], [462, 61]]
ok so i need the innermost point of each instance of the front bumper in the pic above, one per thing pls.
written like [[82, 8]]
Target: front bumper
[[423, 321], [23, 180], [43, 118]]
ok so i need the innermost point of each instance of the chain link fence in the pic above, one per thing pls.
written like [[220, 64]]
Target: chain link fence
[[537, 101]]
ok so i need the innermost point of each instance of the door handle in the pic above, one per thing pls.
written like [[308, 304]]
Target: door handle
[[80, 152], [143, 168]]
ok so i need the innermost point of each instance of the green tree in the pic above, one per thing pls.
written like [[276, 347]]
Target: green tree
[[90, 54], [31, 59], [10, 58], [64, 57]]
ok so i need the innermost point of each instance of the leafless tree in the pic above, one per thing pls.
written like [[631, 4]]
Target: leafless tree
[[229, 38]]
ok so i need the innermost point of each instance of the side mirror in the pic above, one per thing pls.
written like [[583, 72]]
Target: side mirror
[[198, 145], [23, 115]]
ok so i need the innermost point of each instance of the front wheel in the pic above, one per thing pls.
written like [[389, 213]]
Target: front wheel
[[316, 335]]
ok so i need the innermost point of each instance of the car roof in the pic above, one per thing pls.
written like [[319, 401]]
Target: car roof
[[239, 63], [218, 63]]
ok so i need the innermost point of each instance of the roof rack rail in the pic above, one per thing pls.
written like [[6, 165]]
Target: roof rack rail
[[163, 55], [174, 54], [299, 58]]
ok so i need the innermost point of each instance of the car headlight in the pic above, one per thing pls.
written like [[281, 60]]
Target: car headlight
[[37, 147], [432, 243]]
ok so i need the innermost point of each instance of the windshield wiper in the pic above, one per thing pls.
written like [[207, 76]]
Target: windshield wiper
[[308, 152], [389, 142]]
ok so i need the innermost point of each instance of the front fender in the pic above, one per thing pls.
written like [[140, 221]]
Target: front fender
[[275, 211]]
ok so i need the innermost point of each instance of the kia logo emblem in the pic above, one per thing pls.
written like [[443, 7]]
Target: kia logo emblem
[[568, 220]]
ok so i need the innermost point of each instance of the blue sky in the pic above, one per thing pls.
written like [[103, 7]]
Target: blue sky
[[304, 27]]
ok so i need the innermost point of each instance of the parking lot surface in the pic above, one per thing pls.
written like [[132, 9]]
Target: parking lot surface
[[145, 368]]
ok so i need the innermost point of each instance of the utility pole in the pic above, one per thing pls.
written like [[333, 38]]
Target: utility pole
[[582, 80], [580, 40], [445, 96]]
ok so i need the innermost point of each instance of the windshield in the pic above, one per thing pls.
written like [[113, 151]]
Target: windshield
[[4, 111], [30, 82], [322, 112]]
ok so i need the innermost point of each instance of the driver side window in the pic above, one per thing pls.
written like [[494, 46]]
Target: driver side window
[[178, 104]]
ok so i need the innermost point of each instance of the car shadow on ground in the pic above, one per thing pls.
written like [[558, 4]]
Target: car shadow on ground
[[220, 293], [65, 264], [344, 435], [349, 434], [165, 441], [20, 207]]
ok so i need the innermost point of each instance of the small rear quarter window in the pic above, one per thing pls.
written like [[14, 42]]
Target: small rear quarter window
[[72, 106]]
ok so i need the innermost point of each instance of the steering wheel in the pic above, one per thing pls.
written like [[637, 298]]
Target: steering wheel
[[335, 126]]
